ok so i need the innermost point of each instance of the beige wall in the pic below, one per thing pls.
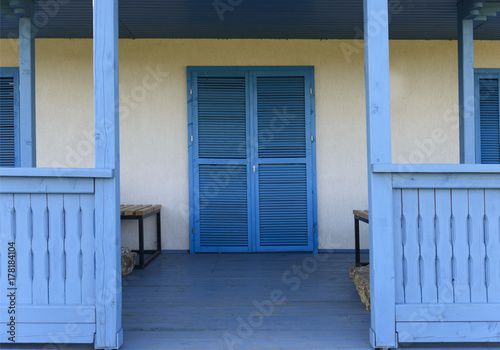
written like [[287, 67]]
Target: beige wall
[[154, 159]]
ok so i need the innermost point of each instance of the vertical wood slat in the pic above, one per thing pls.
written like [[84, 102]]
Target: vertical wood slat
[[477, 248], [6, 224], [72, 227], [56, 249], [444, 247], [24, 263], [40, 249], [398, 247], [88, 249], [460, 212], [427, 246], [411, 247], [492, 227]]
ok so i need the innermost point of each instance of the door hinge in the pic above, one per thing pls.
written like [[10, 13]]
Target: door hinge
[[190, 91], [312, 138], [192, 138], [311, 91], [253, 169]]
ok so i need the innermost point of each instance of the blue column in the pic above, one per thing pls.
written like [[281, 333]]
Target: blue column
[[378, 124], [27, 116], [466, 88], [109, 334]]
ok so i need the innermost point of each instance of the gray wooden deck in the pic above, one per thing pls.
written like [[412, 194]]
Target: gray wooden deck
[[225, 301]]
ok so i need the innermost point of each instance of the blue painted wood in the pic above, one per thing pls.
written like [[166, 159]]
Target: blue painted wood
[[477, 248], [27, 115], [268, 129], [87, 249], [6, 223], [51, 333], [399, 260], [192, 105], [451, 332], [444, 276], [448, 312], [442, 180], [427, 242], [24, 232], [46, 185], [284, 210], [72, 249], [107, 191], [436, 168], [492, 232], [53, 314], [460, 241], [57, 258], [56, 172], [200, 297], [40, 247], [378, 126], [466, 88], [411, 247], [9, 117], [48, 232], [487, 89]]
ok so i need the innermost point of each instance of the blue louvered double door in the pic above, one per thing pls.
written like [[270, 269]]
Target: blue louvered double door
[[252, 169]]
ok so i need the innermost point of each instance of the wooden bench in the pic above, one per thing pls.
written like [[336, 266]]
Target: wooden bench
[[359, 215], [140, 212]]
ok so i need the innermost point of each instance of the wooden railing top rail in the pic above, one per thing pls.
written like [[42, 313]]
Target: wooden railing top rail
[[57, 172], [437, 168]]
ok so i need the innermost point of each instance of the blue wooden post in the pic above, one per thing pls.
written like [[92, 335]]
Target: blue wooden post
[[27, 93], [466, 87], [378, 124], [109, 334]]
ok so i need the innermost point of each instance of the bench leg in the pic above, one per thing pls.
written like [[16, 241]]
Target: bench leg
[[356, 242], [141, 243], [158, 233]]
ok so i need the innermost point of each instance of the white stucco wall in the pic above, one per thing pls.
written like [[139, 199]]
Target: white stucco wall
[[154, 158]]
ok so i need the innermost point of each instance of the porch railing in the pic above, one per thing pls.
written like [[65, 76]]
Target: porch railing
[[49, 214], [447, 251]]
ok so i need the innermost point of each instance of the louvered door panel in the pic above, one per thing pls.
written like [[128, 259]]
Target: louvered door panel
[[281, 117], [283, 209], [223, 207], [221, 168], [489, 112], [7, 122], [283, 205], [221, 117]]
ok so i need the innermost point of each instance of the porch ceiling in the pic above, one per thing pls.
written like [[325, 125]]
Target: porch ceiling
[[262, 19]]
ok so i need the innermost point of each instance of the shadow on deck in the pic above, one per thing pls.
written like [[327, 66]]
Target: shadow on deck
[[244, 301]]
